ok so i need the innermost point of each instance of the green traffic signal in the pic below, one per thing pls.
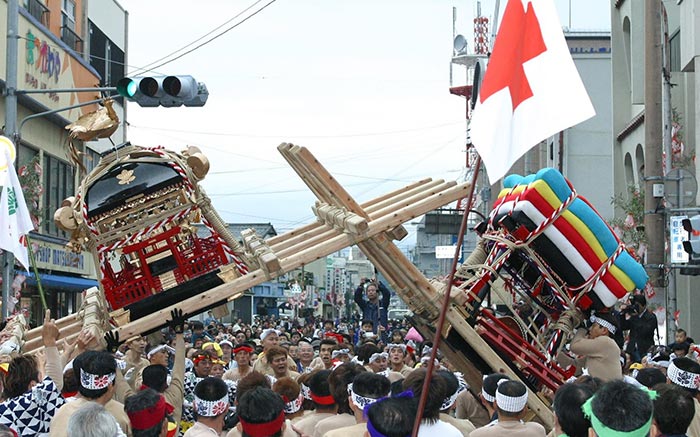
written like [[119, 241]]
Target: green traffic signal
[[167, 91], [127, 87]]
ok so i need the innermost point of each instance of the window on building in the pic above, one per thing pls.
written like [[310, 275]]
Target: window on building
[[90, 159], [105, 57], [59, 183], [68, 14], [25, 154], [675, 50]]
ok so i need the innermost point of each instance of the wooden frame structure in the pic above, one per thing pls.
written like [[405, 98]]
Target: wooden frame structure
[[341, 222]]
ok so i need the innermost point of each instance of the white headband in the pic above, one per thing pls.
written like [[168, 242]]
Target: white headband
[[305, 391], [292, 407], [266, 332], [401, 346], [509, 403], [210, 408], [159, 348], [436, 363], [604, 323], [487, 396], [450, 400], [95, 382], [377, 356], [683, 377], [340, 352], [359, 400]]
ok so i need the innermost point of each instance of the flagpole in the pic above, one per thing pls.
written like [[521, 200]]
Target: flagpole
[[32, 261], [445, 302]]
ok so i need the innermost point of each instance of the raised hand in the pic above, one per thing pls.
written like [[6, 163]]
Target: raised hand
[[49, 330], [112, 339], [177, 321]]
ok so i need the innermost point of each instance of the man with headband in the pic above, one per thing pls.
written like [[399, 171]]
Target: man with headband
[[391, 417], [488, 394], [324, 402], [511, 402], [292, 396], [685, 373], [148, 412], [455, 385], [601, 353], [397, 355], [431, 424], [620, 409], [157, 376], [270, 337], [241, 355], [210, 405], [338, 382], [366, 389], [202, 367], [261, 414], [134, 361], [96, 373]]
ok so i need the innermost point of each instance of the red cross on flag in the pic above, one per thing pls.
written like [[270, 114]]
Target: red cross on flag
[[531, 89]]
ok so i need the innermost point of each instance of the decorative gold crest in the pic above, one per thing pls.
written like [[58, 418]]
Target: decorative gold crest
[[126, 177]]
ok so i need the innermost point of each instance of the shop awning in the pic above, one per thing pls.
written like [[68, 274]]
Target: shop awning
[[61, 281]]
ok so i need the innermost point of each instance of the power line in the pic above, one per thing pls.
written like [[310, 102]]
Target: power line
[[210, 39], [144, 68], [257, 193], [247, 135]]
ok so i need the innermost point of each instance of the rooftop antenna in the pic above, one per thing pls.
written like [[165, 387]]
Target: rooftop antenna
[[494, 29]]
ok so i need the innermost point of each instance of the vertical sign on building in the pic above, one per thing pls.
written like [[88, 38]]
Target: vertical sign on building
[[678, 235]]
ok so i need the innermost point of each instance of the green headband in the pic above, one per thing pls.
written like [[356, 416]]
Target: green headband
[[604, 431]]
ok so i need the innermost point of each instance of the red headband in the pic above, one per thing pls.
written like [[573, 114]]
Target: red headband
[[323, 400], [201, 357], [242, 348], [150, 417], [262, 429]]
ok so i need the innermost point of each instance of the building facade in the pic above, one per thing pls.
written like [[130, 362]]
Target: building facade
[[56, 51], [628, 72]]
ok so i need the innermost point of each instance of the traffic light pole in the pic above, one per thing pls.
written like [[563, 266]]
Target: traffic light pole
[[54, 111], [7, 258]]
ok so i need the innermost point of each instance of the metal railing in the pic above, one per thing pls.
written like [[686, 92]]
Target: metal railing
[[71, 38], [39, 10]]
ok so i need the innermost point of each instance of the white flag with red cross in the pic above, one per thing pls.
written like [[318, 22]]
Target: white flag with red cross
[[15, 221], [531, 89]]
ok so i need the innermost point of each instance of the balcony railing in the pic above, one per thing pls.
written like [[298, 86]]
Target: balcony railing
[[38, 10], [71, 38]]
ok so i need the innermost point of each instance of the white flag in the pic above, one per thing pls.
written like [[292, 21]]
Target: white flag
[[531, 89], [15, 221]]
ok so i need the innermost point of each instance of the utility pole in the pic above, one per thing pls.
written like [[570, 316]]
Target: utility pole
[[653, 140], [8, 259]]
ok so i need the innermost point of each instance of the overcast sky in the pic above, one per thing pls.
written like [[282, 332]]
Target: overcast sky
[[364, 84]]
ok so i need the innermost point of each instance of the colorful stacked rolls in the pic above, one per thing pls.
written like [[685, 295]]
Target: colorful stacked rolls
[[577, 243]]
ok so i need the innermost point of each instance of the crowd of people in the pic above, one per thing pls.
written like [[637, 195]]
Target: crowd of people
[[281, 377]]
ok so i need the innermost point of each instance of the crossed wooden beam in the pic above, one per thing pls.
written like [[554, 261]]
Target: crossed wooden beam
[[341, 222]]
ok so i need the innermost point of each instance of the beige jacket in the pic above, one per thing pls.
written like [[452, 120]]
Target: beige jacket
[[59, 424], [602, 355]]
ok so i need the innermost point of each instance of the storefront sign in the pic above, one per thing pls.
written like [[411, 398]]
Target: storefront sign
[[45, 64], [55, 257]]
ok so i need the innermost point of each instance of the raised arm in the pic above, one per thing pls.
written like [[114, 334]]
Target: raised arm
[[49, 335], [359, 300]]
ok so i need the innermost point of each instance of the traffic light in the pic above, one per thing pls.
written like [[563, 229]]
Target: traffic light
[[167, 91], [692, 245]]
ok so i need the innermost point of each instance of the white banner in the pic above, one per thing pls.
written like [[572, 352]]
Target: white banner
[[442, 252], [677, 236]]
